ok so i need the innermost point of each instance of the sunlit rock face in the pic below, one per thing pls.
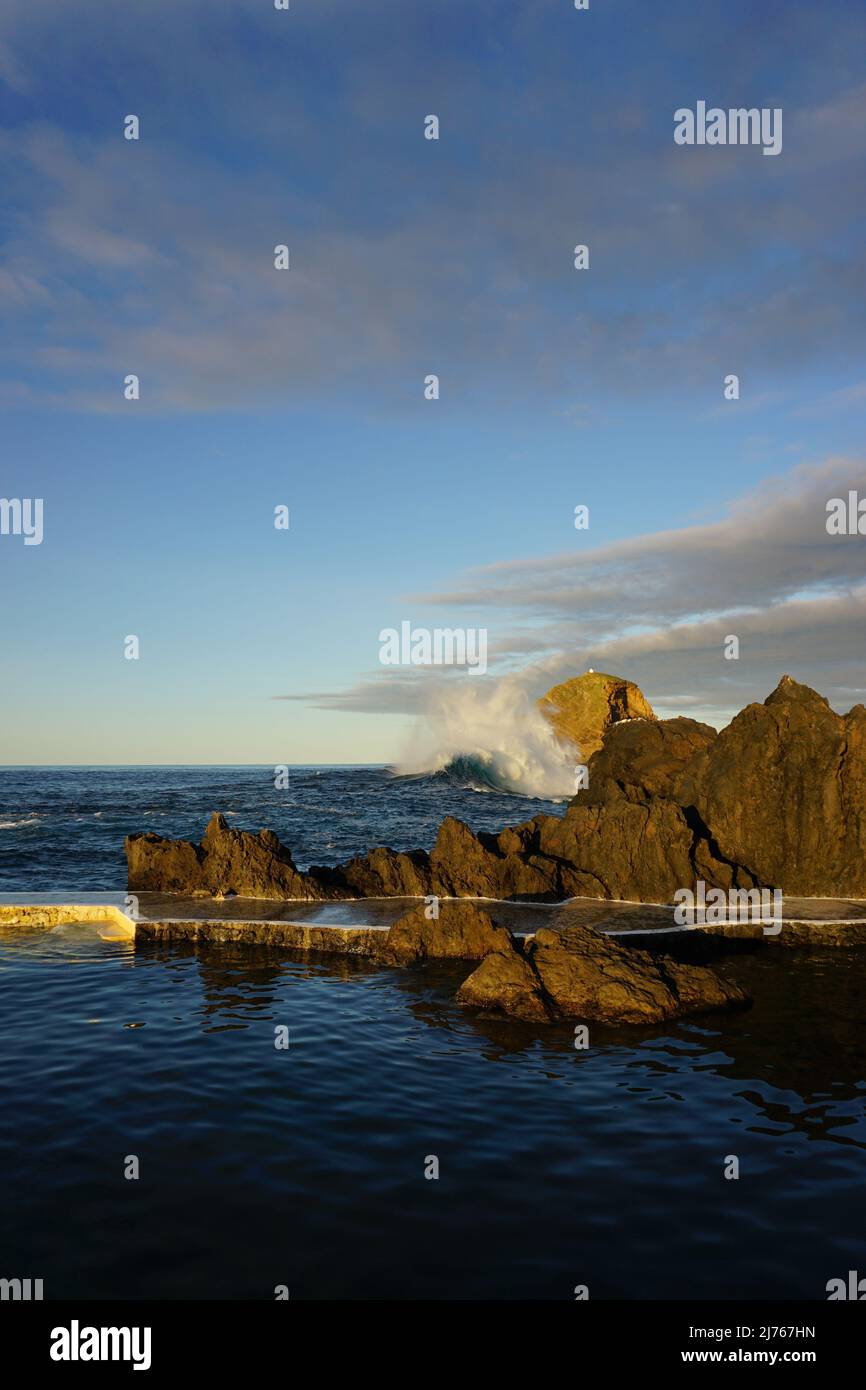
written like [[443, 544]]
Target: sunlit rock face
[[581, 974], [783, 791], [226, 862], [582, 709], [777, 800]]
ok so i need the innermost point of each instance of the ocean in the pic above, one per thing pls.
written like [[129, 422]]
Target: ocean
[[62, 829], [306, 1167]]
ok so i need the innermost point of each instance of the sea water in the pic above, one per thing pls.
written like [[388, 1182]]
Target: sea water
[[304, 1166]]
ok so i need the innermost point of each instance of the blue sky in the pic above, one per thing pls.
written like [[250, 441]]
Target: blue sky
[[409, 256]]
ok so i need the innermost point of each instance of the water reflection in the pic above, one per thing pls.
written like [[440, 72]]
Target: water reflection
[[799, 1054]]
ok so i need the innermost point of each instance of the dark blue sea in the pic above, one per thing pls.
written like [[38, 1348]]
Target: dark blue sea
[[305, 1167], [63, 828]]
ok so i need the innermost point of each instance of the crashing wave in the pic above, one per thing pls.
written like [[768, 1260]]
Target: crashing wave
[[492, 738]]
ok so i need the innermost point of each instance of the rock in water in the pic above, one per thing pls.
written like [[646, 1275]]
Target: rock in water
[[505, 982], [462, 931], [582, 709], [155, 864], [382, 873], [227, 862], [578, 973], [582, 974]]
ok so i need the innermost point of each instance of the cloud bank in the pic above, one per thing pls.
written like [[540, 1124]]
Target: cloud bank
[[658, 608]]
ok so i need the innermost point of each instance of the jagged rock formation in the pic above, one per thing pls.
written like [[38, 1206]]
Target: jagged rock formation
[[777, 800], [783, 788], [227, 861], [582, 709], [383, 873], [581, 974]]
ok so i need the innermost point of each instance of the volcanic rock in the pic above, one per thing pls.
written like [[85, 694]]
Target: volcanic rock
[[227, 862], [582, 709], [582, 974], [505, 982], [783, 792], [463, 864], [643, 760], [462, 931], [164, 866], [776, 800], [620, 850], [383, 873]]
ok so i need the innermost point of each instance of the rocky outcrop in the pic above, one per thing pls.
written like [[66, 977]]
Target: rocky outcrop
[[505, 982], [633, 830], [499, 866], [580, 974], [227, 861], [383, 873], [644, 761], [776, 800], [156, 864], [461, 931], [783, 790], [581, 710]]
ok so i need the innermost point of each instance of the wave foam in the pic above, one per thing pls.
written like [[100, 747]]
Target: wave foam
[[492, 738]]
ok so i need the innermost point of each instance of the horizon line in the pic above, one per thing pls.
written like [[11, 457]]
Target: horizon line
[[5, 767]]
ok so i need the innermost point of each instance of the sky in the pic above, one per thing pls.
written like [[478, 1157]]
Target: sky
[[408, 257]]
